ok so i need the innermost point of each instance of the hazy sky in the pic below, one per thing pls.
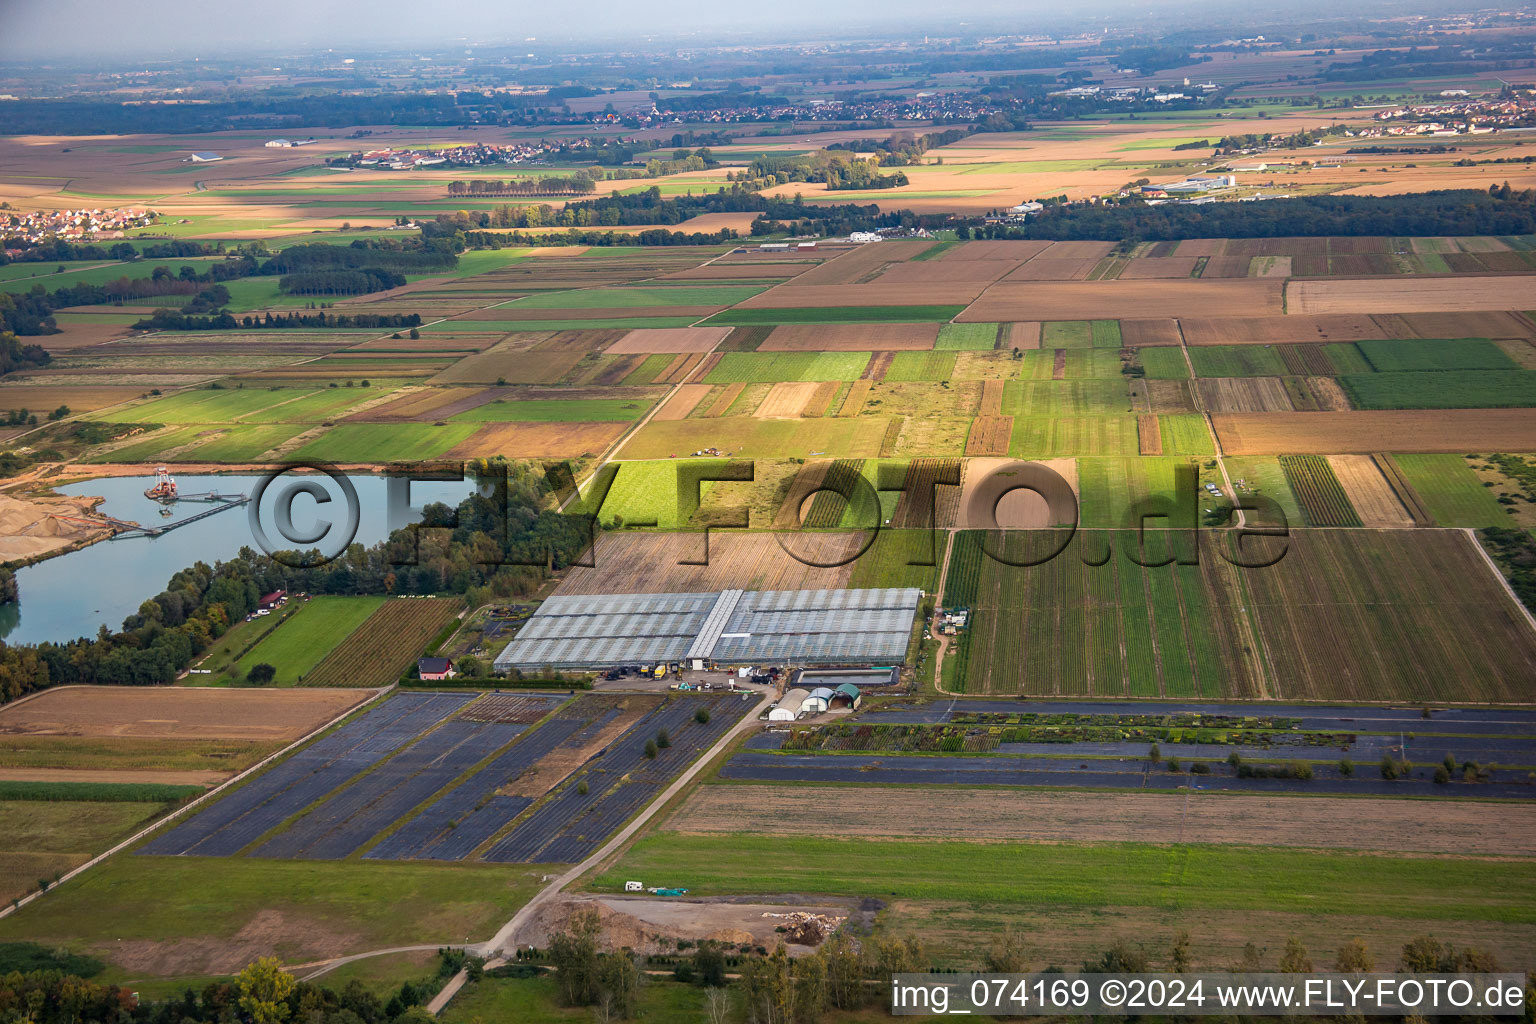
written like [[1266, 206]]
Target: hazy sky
[[129, 29]]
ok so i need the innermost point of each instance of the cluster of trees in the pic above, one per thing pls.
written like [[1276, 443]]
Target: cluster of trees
[[178, 320], [31, 312], [579, 183], [653, 236], [497, 545], [1500, 211], [409, 255], [1268, 140], [16, 356], [839, 171], [341, 282], [277, 108], [902, 149], [1515, 551], [60, 251]]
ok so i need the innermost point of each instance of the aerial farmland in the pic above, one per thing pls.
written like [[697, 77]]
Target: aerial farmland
[[526, 531]]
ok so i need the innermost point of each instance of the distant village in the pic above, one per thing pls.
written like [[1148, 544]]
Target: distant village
[[73, 225], [473, 155]]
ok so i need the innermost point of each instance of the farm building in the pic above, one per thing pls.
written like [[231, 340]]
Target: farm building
[[272, 600], [819, 700], [435, 668], [202, 158], [791, 706], [847, 693], [733, 627]]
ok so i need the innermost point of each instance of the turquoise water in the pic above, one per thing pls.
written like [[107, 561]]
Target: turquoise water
[[73, 595]]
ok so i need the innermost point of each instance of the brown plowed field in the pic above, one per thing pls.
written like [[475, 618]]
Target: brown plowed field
[[1330, 397], [1224, 266], [1202, 247], [1244, 394], [930, 495], [937, 272], [1149, 435], [786, 400], [721, 271], [798, 295], [706, 364], [1462, 293], [817, 404], [79, 399], [1076, 251], [1272, 330], [671, 339], [989, 435], [1370, 493], [1402, 430], [1146, 333], [683, 402], [531, 440], [853, 402], [857, 264], [1153, 267], [649, 563], [1418, 826], [511, 363], [1053, 270], [726, 399], [879, 362], [1168, 395], [1023, 335], [851, 338], [176, 712], [1117, 300], [991, 398], [1474, 324], [993, 250]]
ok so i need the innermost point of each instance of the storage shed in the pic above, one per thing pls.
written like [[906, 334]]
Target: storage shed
[[790, 706]]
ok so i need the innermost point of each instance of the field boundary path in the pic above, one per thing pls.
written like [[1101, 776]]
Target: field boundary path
[[507, 933], [1210, 426], [1498, 574], [193, 804]]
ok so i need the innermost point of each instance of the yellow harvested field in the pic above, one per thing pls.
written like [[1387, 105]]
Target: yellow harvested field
[[858, 394], [1054, 270], [1043, 816], [850, 338], [1016, 252], [1370, 492], [654, 562], [683, 402], [672, 339], [176, 712], [1399, 430], [1460, 293], [1157, 267], [532, 440], [1118, 300], [786, 400]]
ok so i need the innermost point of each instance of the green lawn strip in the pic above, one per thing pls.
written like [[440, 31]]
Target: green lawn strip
[[1441, 389], [384, 442], [1185, 434], [557, 410], [1236, 361], [968, 337], [1109, 489], [775, 367], [308, 635], [636, 298], [914, 366], [836, 315], [1435, 354], [239, 442], [1087, 875], [507, 326], [367, 905], [650, 369], [1451, 492], [1067, 334], [1164, 362]]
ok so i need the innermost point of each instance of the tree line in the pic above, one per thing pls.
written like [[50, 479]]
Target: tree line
[[178, 320], [58, 250], [1500, 211], [498, 545], [341, 282]]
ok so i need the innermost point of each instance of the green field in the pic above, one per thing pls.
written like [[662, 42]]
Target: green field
[[557, 410], [1067, 334], [1185, 434], [628, 323], [384, 442], [1194, 878], [1059, 435], [241, 443], [1163, 362], [96, 273], [1419, 354], [970, 337], [773, 367], [44, 838], [1110, 488], [1451, 492], [837, 315], [1236, 361], [1441, 389], [326, 908], [887, 562], [909, 366], [635, 298], [1085, 397], [306, 636], [1111, 617]]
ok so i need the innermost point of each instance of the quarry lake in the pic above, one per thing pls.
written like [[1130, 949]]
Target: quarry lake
[[71, 595]]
